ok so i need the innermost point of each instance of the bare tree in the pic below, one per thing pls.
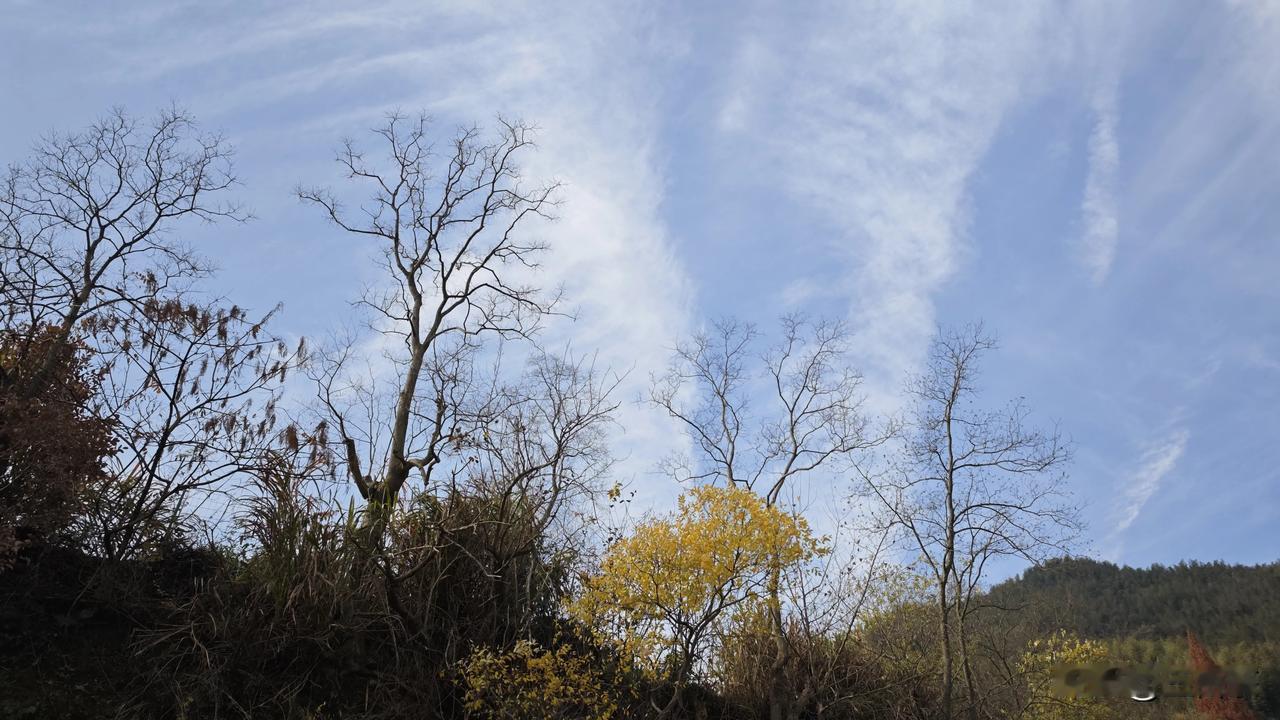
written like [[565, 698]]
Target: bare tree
[[828, 601], [971, 485], [191, 390], [814, 420], [84, 224], [475, 556], [87, 250], [469, 552], [826, 597], [450, 246]]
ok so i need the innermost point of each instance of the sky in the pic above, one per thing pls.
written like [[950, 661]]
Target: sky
[[1095, 181]]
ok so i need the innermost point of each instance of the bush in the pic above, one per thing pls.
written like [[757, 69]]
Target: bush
[[51, 443], [534, 683]]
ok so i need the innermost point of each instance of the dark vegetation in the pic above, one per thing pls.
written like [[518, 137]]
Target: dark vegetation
[[1144, 614], [1229, 603], [430, 538]]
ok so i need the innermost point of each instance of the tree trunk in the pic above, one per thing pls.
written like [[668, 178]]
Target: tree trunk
[[802, 701], [678, 680], [945, 627], [970, 692], [378, 509], [778, 702]]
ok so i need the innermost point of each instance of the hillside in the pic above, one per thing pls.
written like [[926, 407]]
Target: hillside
[[1227, 604]]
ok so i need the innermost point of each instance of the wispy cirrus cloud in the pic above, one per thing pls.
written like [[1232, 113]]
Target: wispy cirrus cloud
[[1101, 223], [1158, 461], [879, 123], [1101, 44], [288, 82], [592, 81]]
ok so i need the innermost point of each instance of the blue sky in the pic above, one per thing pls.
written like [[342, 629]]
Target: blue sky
[[1095, 181]]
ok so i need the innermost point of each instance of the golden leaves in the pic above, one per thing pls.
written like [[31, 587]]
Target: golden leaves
[[683, 569], [529, 681]]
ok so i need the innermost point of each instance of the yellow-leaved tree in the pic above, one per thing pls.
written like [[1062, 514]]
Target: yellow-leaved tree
[[667, 588], [1042, 665]]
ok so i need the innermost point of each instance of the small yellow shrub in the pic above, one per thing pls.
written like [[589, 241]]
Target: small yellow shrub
[[1044, 658], [530, 682]]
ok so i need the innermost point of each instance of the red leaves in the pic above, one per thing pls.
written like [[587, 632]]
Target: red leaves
[[1217, 696], [51, 445]]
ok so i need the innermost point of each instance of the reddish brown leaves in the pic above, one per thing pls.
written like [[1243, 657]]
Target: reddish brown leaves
[[1217, 696], [51, 445]]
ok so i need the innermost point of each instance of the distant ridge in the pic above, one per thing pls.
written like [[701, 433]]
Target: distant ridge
[[1229, 603]]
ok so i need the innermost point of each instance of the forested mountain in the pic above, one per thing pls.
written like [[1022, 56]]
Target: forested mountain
[[1225, 604], [1140, 617]]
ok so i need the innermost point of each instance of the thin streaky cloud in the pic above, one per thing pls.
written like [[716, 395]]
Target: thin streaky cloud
[[1156, 464], [591, 78], [1104, 40], [897, 111], [1099, 208]]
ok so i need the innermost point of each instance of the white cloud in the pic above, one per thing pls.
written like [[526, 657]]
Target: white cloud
[[798, 292], [594, 86], [1101, 223], [1156, 464], [589, 76], [1212, 146], [879, 119], [1256, 355], [1102, 40]]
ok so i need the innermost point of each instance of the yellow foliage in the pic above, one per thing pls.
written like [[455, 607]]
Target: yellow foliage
[[531, 682], [896, 586], [1047, 657], [900, 619], [663, 587]]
